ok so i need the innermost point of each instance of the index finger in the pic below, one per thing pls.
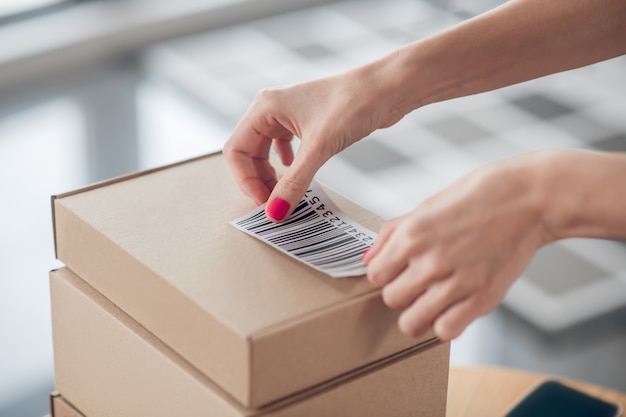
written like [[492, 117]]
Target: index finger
[[247, 152], [249, 163]]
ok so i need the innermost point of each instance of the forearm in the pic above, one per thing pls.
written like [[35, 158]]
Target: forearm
[[519, 41]]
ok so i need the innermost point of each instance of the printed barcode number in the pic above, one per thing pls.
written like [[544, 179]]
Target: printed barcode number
[[315, 234]]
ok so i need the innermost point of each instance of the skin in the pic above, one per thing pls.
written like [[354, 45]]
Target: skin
[[453, 258]]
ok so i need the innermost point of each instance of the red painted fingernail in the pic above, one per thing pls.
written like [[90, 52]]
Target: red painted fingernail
[[277, 209]]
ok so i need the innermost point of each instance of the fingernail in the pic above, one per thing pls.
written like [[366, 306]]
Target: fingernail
[[365, 253], [277, 209]]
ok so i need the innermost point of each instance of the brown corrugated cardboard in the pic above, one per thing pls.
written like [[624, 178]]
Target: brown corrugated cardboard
[[59, 407], [106, 364], [260, 324]]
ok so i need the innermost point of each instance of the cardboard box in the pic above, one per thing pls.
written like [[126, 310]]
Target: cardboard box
[[106, 364], [260, 324], [60, 407]]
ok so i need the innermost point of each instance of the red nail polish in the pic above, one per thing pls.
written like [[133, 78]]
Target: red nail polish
[[277, 209]]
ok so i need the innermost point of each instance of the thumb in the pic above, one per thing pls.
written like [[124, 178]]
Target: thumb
[[292, 186]]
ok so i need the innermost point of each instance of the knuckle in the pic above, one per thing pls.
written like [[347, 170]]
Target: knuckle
[[477, 301], [456, 287], [265, 102], [441, 330], [449, 291], [292, 184], [230, 150], [441, 257], [432, 267], [480, 277], [408, 326], [445, 330], [481, 303], [405, 326], [227, 149], [375, 278], [392, 298], [438, 258], [265, 95], [404, 250], [387, 228]]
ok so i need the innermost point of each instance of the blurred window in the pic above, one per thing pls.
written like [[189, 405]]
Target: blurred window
[[11, 10]]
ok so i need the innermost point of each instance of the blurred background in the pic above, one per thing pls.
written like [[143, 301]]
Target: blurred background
[[94, 89]]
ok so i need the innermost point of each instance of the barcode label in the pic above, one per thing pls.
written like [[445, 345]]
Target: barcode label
[[317, 233]]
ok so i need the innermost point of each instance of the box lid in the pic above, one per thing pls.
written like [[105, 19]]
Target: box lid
[[257, 322]]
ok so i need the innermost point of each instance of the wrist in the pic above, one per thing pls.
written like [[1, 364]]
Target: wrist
[[584, 194], [419, 76], [379, 85], [553, 179], [436, 69], [546, 173]]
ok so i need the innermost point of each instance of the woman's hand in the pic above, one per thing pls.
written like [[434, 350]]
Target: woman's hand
[[453, 258], [328, 115], [517, 41]]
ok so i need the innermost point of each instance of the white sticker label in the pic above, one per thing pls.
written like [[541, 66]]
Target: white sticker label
[[317, 233]]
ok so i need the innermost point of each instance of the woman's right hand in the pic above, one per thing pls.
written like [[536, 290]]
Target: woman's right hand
[[327, 115]]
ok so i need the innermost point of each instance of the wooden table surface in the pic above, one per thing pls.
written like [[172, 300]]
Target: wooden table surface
[[491, 392]]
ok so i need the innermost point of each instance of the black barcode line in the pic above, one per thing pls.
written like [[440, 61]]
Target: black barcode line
[[332, 243], [312, 238], [350, 267], [324, 258], [296, 232], [336, 255], [353, 257], [259, 219], [251, 220], [299, 232], [324, 243], [332, 246], [265, 227], [308, 234], [282, 227], [348, 263], [302, 204]]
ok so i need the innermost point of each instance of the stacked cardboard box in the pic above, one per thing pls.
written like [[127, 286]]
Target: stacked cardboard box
[[61, 408], [165, 309]]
